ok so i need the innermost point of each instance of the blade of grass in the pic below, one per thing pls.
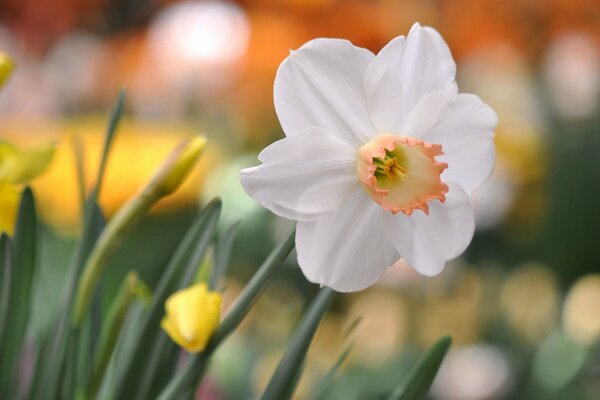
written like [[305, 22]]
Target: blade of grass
[[283, 381], [25, 252], [421, 376], [186, 380], [184, 262]]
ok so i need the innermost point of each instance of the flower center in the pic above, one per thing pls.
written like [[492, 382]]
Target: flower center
[[389, 167], [401, 173]]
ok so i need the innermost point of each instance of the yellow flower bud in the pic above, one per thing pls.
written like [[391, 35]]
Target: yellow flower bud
[[192, 316], [178, 166], [7, 65]]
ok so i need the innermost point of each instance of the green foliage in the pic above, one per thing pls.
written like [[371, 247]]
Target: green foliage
[[420, 378], [283, 382], [178, 274], [123, 353], [18, 303], [190, 375]]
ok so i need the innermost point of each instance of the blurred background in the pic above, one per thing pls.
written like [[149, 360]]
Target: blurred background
[[523, 303]]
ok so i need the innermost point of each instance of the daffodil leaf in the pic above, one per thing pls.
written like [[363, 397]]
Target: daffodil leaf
[[283, 381], [421, 377], [79, 156], [20, 287], [111, 330], [113, 122], [188, 378], [182, 266], [223, 251], [88, 237], [321, 387], [6, 271], [48, 371]]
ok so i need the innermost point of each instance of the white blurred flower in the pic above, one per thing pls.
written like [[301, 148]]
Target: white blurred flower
[[572, 73], [198, 41], [478, 372], [380, 159]]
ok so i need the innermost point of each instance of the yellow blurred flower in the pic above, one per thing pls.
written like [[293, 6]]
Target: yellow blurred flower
[[529, 301], [581, 314], [7, 66], [17, 167], [192, 316], [138, 148]]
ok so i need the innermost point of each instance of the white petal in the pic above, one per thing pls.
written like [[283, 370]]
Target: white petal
[[427, 241], [410, 84], [346, 250], [303, 176], [321, 85], [467, 139]]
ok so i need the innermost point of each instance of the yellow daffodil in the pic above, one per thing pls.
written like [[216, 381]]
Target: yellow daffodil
[[7, 66], [16, 168], [192, 316]]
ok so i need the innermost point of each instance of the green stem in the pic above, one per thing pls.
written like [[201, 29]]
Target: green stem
[[169, 177], [113, 234]]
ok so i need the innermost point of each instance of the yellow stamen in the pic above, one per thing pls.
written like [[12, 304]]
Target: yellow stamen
[[390, 167]]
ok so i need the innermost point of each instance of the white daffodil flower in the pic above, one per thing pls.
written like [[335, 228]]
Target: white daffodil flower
[[380, 158]]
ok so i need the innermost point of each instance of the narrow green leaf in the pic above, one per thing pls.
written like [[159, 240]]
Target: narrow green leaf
[[178, 273], [48, 371], [223, 251], [186, 380], [90, 212], [6, 272], [255, 287], [161, 364], [20, 285], [79, 156], [6, 269], [420, 378], [52, 361], [111, 330], [283, 381], [113, 122], [321, 387]]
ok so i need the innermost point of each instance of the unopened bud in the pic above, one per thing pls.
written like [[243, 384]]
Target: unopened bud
[[178, 165]]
